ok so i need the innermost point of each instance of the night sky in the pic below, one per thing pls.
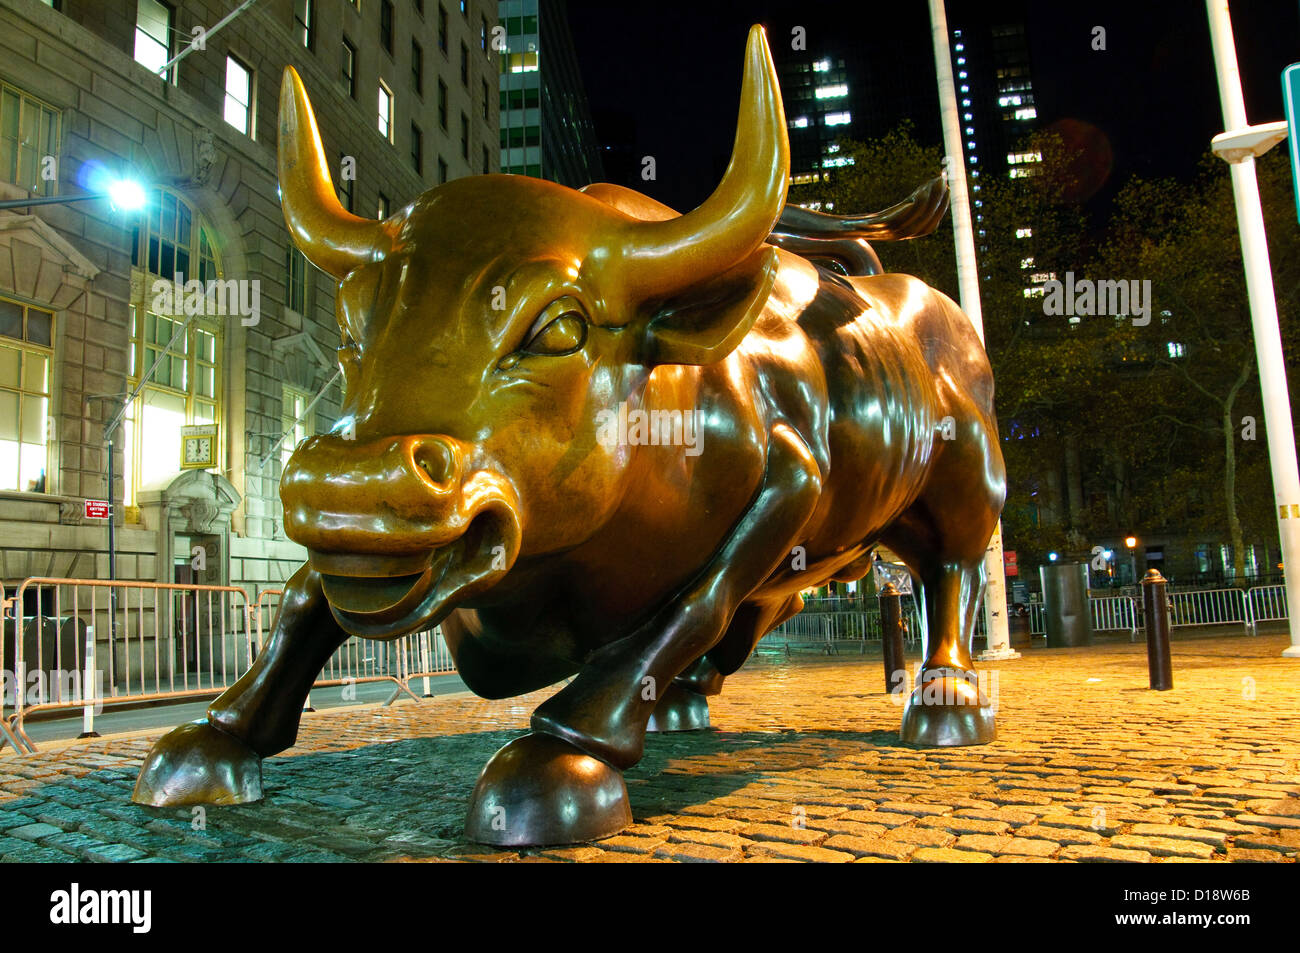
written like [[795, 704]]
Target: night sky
[[673, 69]]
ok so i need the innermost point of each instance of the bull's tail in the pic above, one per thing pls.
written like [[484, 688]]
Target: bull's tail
[[841, 242]]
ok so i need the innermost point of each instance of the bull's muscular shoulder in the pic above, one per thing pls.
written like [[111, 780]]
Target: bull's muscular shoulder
[[783, 365]]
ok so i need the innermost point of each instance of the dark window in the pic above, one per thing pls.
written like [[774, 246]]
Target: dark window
[[350, 67], [486, 100], [304, 22], [482, 33], [417, 150], [487, 166], [417, 67], [419, 7], [442, 170], [442, 28], [346, 183], [442, 104], [464, 136], [383, 206], [386, 25], [464, 65]]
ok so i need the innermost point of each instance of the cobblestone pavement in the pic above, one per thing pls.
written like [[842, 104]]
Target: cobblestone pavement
[[805, 765]]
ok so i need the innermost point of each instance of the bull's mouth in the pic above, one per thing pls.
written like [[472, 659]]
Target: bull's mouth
[[385, 597]]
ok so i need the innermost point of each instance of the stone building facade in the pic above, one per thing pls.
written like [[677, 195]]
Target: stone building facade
[[406, 96]]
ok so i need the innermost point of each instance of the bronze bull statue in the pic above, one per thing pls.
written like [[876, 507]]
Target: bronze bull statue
[[504, 341]]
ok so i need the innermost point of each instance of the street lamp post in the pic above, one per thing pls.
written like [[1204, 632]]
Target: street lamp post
[[998, 646], [1239, 146]]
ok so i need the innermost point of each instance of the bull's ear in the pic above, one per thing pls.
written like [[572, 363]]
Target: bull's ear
[[704, 324]]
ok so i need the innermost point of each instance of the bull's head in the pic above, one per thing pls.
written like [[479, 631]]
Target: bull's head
[[483, 328]]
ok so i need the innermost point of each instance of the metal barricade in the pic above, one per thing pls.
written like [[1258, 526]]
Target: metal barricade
[[1114, 613], [87, 643], [1208, 607], [1266, 604], [427, 657]]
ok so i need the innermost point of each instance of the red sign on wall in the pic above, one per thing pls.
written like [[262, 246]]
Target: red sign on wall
[[1009, 562], [97, 509]]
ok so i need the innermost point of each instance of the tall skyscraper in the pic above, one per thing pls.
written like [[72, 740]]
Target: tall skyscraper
[[546, 128]]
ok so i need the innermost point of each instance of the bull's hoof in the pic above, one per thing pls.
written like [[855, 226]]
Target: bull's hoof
[[947, 709], [199, 764], [539, 790], [680, 710]]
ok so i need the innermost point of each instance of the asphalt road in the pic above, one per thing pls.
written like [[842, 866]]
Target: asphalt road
[[162, 715]]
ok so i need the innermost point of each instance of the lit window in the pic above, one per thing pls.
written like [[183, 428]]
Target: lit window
[[800, 122], [1034, 293], [838, 119], [26, 353], [967, 116], [297, 423], [831, 92], [821, 66], [1024, 233], [1018, 173], [837, 162], [521, 62], [1176, 349], [383, 207], [966, 103], [29, 131], [239, 96], [1027, 262], [184, 387], [961, 61], [1027, 112], [304, 22], [833, 148], [153, 28], [960, 46], [385, 112]]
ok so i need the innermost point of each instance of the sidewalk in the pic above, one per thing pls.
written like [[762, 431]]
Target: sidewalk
[[805, 765]]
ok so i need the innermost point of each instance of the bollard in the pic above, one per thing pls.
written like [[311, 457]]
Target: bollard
[[1156, 608], [88, 689], [891, 633]]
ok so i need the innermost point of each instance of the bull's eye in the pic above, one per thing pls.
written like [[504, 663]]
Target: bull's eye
[[562, 336], [560, 329]]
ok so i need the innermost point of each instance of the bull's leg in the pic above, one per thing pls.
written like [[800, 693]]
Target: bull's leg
[[946, 706], [685, 706], [563, 782], [218, 759]]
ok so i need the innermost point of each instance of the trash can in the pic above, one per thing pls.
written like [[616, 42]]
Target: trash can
[[1066, 614]]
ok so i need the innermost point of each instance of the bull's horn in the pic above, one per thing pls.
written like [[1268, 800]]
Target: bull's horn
[[332, 238], [663, 257]]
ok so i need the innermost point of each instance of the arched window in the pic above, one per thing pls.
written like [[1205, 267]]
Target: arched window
[[176, 339]]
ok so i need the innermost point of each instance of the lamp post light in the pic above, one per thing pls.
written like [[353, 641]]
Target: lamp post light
[[126, 195], [1131, 542]]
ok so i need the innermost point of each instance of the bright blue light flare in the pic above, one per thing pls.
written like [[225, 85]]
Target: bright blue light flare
[[126, 195], [1109, 554], [1052, 556]]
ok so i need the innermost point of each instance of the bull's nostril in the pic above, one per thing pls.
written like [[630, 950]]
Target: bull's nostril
[[436, 459]]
